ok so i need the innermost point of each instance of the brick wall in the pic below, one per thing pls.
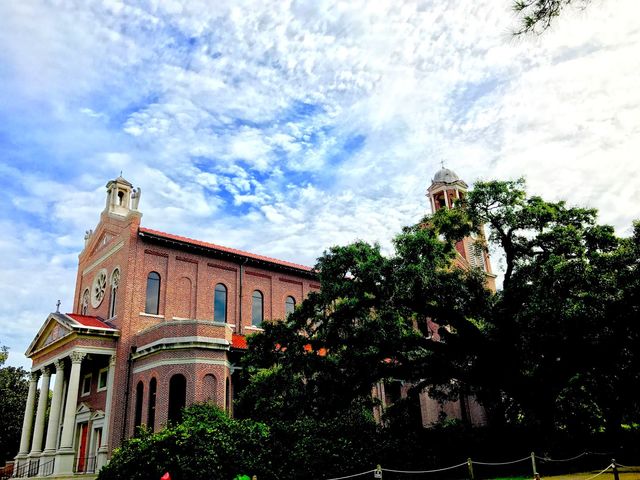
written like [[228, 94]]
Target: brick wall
[[186, 307]]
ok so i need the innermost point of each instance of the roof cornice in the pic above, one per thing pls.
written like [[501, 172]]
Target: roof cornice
[[224, 253]]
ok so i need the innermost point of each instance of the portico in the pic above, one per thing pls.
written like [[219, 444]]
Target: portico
[[79, 353]]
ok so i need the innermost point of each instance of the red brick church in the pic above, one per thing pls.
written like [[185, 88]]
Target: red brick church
[[159, 321]]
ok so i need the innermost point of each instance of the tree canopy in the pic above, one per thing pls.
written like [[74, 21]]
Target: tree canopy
[[13, 398], [367, 323], [553, 349]]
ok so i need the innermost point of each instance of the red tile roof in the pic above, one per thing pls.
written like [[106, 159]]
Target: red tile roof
[[89, 321], [239, 341], [221, 248]]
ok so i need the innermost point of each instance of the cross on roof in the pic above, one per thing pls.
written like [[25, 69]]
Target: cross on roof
[[58, 306]]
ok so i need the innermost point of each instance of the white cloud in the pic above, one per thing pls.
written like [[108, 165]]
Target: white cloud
[[284, 127]]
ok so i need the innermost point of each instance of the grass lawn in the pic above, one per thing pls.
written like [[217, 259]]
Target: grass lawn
[[631, 473]]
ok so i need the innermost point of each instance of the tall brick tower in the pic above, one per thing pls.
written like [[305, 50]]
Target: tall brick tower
[[447, 188]]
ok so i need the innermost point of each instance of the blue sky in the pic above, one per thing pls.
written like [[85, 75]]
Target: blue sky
[[286, 127]]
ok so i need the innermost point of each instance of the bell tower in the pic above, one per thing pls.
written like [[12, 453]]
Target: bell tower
[[446, 188], [122, 198]]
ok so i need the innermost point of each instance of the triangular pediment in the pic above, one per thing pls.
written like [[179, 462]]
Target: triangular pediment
[[83, 408], [101, 239], [53, 330], [97, 415]]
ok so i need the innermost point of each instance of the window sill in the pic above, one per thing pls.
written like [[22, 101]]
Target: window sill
[[254, 328], [151, 315]]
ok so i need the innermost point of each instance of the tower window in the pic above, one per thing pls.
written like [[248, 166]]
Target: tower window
[[289, 306], [115, 280], [220, 304], [84, 305], [152, 304], [257, 308], [477, 255], [120, 197]]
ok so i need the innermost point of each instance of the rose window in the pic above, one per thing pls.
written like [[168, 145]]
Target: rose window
[[98, 288]]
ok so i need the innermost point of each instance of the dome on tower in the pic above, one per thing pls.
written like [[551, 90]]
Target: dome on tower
[[444, 175]]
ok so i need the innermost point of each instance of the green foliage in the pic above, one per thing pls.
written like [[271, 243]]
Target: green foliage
[[324, 359], [14, 388], [206, 444], [563, 330], [537, 15], [555, 349], [312, 448]]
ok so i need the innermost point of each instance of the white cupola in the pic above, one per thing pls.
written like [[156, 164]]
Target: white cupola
[[446, 187], [122, 198]]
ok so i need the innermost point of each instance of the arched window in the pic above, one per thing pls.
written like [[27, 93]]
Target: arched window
[[227, 395], [137, 419], [151, 412], [220, 304], [289, 306], [257, 310], [177, 397], [152, 304], [210, 388], [115, 280], [84, 305]]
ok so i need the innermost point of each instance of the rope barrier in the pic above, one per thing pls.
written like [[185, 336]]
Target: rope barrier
[[424, 471], [351, 476], [481, 463], [547, 459], [528, 457], [598, 474]]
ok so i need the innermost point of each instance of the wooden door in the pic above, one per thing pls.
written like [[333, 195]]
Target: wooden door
[[82, 451]]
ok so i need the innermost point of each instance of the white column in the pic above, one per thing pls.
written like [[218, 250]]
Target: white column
[[103, 451], [54, 411], [27, 423], [38, 431], [54, 415], [65, 455]]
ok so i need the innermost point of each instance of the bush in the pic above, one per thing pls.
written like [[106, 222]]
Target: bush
[[206, 445]]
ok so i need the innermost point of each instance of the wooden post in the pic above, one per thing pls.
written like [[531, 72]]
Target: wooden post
[[615, 469], [470, 465], [533, 464]]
